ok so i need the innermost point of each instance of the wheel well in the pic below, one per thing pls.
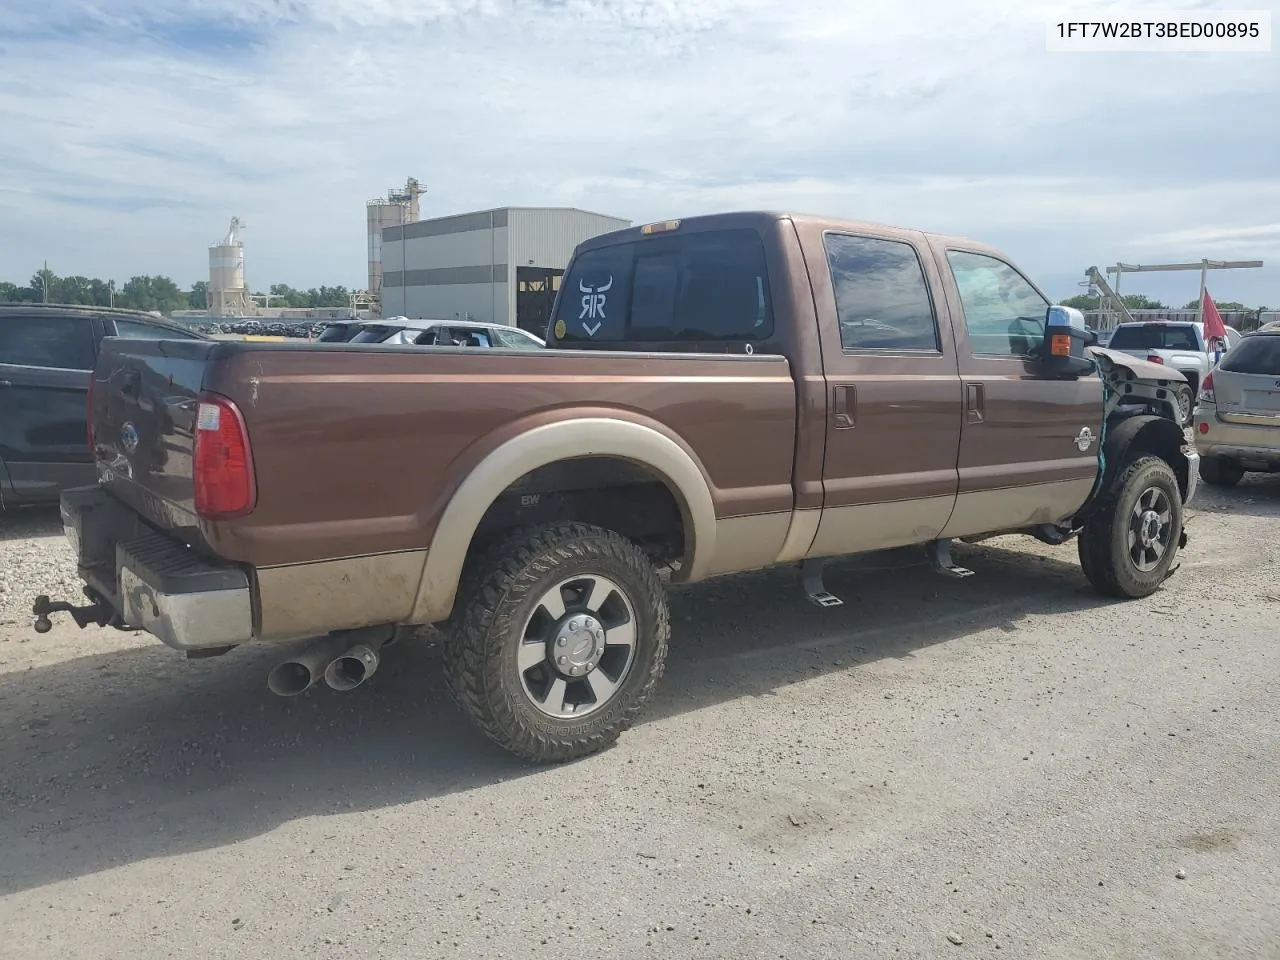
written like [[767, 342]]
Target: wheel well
[[610, 492], [1142, 435]]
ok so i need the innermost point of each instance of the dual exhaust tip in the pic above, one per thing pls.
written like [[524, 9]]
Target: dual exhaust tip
[[340, 662]]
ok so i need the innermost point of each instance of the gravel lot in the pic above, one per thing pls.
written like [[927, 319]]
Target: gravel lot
[[1004, 767]]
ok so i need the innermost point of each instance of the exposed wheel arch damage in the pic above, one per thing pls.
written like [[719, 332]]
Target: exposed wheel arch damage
[[1133, 437]]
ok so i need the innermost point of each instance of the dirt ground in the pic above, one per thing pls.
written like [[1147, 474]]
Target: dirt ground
[[1006, 766]]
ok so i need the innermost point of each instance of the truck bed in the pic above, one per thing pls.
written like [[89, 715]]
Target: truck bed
[[357, 448]]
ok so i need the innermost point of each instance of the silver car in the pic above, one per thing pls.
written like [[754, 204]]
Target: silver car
[[1237, 419], [446, 333]]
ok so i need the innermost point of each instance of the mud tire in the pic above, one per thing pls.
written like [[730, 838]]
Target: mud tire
[[499, 593], [1103, 544], [1219, 472]]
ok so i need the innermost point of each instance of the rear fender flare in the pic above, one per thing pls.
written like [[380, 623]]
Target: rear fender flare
[[547, 444], [1138, 435]]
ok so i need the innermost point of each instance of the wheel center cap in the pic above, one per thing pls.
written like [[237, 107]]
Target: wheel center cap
[[578, 645], [1149, 528]]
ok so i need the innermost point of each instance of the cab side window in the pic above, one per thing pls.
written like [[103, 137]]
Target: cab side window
[[882, 299], [1003, 313]]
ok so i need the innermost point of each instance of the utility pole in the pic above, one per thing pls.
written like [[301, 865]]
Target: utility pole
[[44, 280]]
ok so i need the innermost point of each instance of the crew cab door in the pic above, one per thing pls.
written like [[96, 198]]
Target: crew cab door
[[45, 364], [1029, 444], [893, 391]]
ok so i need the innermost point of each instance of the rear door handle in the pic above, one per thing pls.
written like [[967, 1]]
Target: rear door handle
[[844, 402], [5, 383], [975, 402]]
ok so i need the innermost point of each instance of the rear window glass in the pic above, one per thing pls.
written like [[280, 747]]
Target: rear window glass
[[373, 334], [1259, 354], [64, 343], [697, 287], [1154, 336], [336, 333]]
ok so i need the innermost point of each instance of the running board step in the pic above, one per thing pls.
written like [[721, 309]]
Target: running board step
[[814, 588], [939, 553]]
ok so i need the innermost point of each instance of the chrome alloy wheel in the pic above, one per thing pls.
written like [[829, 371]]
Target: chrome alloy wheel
[[577, 646], [1150, 526]]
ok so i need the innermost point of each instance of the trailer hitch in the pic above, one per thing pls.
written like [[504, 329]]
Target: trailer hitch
[[99, 612]]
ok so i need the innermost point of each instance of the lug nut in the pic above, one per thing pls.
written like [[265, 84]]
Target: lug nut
[[563, 660], [561, 642], [573, 624]]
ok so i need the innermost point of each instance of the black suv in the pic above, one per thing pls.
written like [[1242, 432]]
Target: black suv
[[47, 354]]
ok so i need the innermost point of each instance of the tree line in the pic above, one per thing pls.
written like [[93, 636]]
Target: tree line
[[1138, 301], [157, 293]]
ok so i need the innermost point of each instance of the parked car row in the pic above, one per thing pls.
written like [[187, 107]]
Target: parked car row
[[434, 333], [47, 352], [298, 329], [1236, 413]]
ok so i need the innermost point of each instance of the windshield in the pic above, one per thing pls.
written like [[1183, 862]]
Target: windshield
[[1154, 336], [1256, 355], [513, 338]]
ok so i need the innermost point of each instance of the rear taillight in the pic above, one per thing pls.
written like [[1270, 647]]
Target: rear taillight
[[222, 466], [1155, 358], [1206, 389], [88, 416]]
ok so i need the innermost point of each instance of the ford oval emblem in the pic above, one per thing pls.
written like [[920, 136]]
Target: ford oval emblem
[[129, 436]]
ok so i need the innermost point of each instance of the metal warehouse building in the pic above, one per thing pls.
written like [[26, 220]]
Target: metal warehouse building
[[500, 265]]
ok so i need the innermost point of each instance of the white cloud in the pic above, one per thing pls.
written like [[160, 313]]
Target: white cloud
[[134, 130]]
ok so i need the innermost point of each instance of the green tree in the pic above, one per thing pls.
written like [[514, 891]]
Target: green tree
[[102, 292], [198, 298], [12, 293], [151, 293], [1133, 301], [73, 290], [338, 296], [1140, 301], [43, 284], [1224, 305]]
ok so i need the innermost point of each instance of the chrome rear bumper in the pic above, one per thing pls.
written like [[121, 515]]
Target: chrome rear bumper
[[156, 583]]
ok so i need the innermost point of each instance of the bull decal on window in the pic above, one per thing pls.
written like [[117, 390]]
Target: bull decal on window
[[593, 304]]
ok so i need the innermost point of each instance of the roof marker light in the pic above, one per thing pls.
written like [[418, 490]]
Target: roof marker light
[[663, 227]]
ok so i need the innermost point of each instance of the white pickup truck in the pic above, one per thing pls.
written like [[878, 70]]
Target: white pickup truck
[[1178, 344]]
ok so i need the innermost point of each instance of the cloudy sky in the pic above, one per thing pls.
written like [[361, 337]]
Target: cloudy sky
[[131, 130]]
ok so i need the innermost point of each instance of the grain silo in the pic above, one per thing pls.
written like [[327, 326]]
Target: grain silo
[[228, 294], [398, 208]]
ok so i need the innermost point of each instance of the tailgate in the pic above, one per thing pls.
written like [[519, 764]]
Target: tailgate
[[143, 415]]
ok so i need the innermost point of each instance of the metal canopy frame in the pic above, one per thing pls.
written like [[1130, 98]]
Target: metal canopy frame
[[1204, 266]]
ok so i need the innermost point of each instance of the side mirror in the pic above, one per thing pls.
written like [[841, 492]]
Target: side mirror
[[1063, 355]]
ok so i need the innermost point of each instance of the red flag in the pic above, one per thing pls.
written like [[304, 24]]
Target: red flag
[[1214, 328]]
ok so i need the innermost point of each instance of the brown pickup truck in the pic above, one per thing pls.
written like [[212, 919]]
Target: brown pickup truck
[[718, 394]]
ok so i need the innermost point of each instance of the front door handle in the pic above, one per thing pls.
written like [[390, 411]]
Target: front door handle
[[975, 402], [844, 401]]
